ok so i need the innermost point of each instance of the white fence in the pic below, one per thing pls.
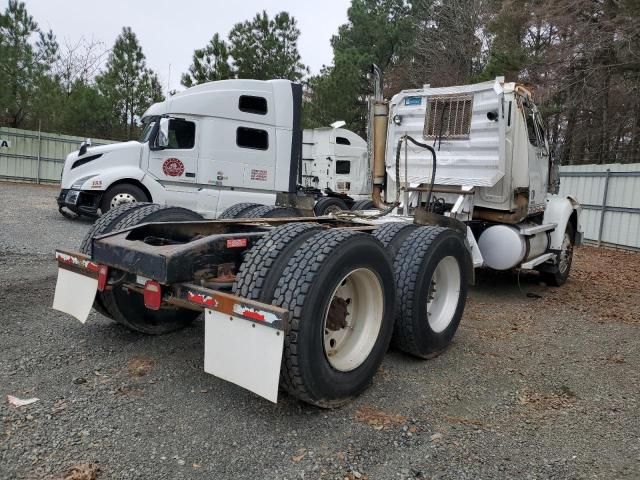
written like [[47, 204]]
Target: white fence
[[610, 198], [609, 194], [30, 156]]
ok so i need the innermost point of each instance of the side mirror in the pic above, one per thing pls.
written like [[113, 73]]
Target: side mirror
[[83, 147], [163, 133]]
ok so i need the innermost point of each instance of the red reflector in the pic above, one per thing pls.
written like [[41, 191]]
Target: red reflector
[[152, 295], [236, 242], [103, 274]]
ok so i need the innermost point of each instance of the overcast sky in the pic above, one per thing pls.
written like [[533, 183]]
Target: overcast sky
[[169, 31]]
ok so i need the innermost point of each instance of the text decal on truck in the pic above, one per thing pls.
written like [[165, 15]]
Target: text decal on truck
[[259, 175], [173, 167]]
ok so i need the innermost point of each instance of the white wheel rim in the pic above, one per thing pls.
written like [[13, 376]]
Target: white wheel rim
[[356, 307], [566, 253], [443, 294], [122, 198]]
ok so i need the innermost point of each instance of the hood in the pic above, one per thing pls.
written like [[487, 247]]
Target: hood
[[97, 159]]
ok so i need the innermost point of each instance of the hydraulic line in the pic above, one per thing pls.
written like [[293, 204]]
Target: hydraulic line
[[433, 168], [389, 209]]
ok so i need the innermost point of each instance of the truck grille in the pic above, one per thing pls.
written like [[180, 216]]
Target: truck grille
[[448, 116]]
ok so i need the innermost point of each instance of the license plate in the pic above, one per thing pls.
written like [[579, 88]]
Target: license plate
[[75, 294], [243, 352]]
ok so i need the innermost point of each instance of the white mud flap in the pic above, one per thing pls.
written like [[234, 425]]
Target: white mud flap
[[243, 352], [75, 293]]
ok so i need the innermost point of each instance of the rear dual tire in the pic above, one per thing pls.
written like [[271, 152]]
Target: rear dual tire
[[338, 286], [255, 210], [127, 307], [431, 272]]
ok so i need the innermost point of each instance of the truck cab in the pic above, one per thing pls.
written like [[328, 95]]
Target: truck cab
[[207, 148], [477, 154]]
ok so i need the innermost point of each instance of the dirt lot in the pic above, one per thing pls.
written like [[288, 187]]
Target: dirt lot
[[542, 387]]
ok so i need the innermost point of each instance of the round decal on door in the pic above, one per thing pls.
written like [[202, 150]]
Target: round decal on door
[[173, 167]]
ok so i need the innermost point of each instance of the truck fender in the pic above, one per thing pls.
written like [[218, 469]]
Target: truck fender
[[562, 210], [106, 177]]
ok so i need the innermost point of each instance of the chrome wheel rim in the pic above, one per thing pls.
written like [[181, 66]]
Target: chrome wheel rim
[[353, 319], [444, 294], [121, 199]]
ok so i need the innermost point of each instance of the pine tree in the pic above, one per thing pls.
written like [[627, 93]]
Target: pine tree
[[18, 65], [265, 48], [127, 83], [209, 63]]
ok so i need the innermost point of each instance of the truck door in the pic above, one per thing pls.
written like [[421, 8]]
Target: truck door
[[178, 162], [538, 155]]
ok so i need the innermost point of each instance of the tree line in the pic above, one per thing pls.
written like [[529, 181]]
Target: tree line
[[581, 58]]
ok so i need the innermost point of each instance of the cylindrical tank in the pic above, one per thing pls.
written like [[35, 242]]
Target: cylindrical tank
[[503, 247]]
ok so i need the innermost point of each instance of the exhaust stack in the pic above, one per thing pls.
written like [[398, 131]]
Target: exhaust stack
[[380, 112]]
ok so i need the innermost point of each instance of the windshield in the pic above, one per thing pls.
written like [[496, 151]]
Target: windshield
[[147, 127]]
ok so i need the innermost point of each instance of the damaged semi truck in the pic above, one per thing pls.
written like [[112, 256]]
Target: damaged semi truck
[[310, 304]]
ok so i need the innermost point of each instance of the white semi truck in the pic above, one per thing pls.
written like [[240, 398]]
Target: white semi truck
[[221, 143], [311, 304]]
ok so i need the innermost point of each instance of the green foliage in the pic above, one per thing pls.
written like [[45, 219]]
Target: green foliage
[[129, 86], [378, 31], [209, 64], [266, 48], [18, 68], [261, 49]]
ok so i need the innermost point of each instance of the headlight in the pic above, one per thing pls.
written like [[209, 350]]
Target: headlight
[[78, 183], [72, 197], [397, 119]]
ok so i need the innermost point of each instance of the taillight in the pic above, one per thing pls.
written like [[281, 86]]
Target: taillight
[[103, 274], [152, 295]]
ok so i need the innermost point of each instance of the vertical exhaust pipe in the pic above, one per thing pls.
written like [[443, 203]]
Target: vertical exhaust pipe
[[379, 110]]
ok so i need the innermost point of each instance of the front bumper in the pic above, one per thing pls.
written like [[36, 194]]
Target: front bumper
[[79, 202]]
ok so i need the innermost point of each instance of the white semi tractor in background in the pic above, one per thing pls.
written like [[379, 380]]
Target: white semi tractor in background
[[460, 178], [207, 161]]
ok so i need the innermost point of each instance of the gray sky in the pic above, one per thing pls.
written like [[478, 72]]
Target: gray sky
[[169, 31]]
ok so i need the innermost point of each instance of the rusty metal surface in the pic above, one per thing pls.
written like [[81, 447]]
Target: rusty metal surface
[[422, 217]]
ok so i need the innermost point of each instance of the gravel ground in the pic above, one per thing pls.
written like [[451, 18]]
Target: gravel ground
[[531, 387]]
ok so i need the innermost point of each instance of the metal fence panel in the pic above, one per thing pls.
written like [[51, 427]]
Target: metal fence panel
[[36, 156], [610, 196]]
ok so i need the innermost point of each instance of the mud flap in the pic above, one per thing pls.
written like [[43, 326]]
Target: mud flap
[[243, 352], [75, 294]]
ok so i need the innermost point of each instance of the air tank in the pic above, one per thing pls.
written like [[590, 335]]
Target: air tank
[[504, 247]]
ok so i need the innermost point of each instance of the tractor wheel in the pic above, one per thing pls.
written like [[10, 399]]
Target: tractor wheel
[[236, 211], [431, 272], [262, 267], [127, 307], [363, 205], [327, 205], [121, 194], [339, 289], [269, 211], [105, 224], [558, 274], [392, 235]]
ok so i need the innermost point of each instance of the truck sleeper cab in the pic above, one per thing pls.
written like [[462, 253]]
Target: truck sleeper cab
[[226, 142]]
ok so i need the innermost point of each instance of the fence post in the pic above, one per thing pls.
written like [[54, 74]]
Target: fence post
[[39, 150], [603, 209]]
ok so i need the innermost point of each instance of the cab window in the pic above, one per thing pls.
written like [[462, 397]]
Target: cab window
[[343, 167], [182, 134], [147, 129]]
